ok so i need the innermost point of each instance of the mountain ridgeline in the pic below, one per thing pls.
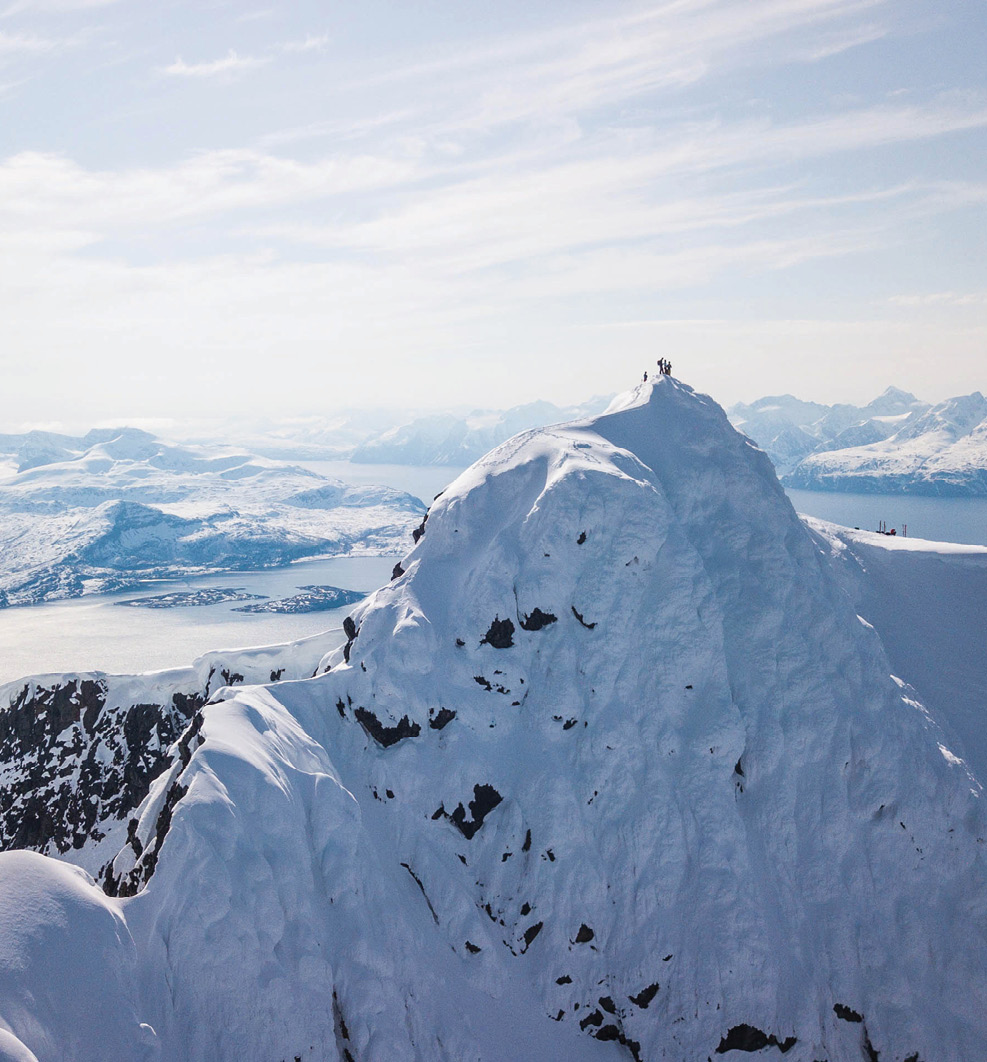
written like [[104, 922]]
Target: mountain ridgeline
[[893, 445], [609, 770]]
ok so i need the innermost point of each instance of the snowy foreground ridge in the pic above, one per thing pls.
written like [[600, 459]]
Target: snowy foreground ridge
[[612, 770]]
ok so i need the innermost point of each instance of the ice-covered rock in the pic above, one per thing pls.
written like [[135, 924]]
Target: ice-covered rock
[[78, 753]]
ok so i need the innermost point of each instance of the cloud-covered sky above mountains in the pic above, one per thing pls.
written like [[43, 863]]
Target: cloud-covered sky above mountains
[[214, 206]]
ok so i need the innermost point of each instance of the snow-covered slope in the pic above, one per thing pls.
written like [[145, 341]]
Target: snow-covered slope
[[928, 603], [610, 769], [944, 451], [131, 507]]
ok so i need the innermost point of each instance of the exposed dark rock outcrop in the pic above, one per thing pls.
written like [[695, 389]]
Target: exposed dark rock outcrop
[[385, 736], [442, 718], [750, 1038], [74, 767], [351, 630], [536, 620], [645, 996], [579, 616], [500, 635], [485, 799]]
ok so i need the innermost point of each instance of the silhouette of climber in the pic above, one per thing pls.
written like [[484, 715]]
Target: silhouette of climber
[[645, 377]]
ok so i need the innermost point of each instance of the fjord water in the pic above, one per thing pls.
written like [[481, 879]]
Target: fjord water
[[936, 519], [97, 634]]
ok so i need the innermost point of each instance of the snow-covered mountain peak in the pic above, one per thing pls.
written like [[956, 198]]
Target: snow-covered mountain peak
[[618, 679], [610, 769], [952, 418], [892, 400]]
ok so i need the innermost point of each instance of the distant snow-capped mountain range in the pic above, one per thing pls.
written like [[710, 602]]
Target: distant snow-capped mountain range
[[893, 445], [113, 508], [443, 437]]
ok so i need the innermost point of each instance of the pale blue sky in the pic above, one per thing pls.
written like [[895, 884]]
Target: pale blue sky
[[290, 207]]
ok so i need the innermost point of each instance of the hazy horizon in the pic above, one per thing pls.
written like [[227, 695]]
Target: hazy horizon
[[239, 430], [225, 209]]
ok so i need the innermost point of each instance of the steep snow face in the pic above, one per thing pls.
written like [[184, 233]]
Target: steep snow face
[[610, 769], [928, 603], [943, 451]]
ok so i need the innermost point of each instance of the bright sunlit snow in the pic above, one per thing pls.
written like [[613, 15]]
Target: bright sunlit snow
[[612, 769]]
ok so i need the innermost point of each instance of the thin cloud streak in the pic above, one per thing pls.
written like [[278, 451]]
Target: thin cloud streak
[[230, 64], [309, 44], [21, 6]]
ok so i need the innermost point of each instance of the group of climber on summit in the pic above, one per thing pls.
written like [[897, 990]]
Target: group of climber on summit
[[664, 368]]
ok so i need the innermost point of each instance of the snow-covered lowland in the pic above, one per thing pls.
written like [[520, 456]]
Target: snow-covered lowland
[[611, 769], [118, 507]]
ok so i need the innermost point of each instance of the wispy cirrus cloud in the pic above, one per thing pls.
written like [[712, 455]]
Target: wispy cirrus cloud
[[229, 66], [834, 43], [310, 43], [485, 194]]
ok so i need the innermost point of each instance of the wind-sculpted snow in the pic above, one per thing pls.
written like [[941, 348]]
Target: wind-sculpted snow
[[127, 507], [68, 966], [688, 815]]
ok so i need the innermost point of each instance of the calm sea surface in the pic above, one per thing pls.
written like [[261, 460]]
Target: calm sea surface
[[939, 519], [95, 633]]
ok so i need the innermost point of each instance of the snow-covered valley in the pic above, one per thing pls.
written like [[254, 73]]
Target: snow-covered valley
[[626, 761]]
